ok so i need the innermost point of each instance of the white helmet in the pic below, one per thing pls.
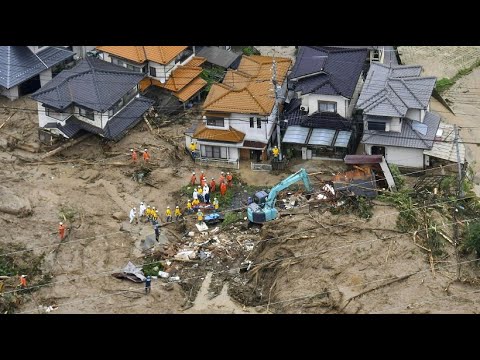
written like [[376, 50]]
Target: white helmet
[[145, 150], [168, 207], [176, 207], [193, 173], [61, 223], [131, 150]]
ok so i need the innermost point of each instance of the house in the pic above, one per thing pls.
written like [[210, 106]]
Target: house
[[173, 68], [94, 96], [324, 85], [240, 114], [218, 56], [397, 121], [24, 69]]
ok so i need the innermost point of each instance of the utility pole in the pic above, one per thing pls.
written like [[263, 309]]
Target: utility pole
[[460, 188], [459, 195], [277, 116]]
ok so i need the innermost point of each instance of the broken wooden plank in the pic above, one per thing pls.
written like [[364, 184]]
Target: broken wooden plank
[[445, 237], [65, 146], [3, 124], [378, 287], [148, 124]]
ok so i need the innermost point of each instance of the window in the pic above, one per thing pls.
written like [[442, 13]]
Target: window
[[214, 152], [87, 113], [327, 106], [134, 68], [153, 71], [214, 121], [252, 122], [376, 125], [259, 123], [53, 114], [184, 55]]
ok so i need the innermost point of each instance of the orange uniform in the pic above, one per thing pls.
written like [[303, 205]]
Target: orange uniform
[[61, 231], [193, 180], [221, 179], [23, 281], [146, 156], [134, 156], [230, 179], [223, 189], [212, 185]]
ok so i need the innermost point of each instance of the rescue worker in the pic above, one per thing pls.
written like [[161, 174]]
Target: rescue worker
[[168, 213], [206, 193], [193, 147], [275, 152], [229, 179], [200, 194], [156, 227], [223, 189], [200, 217], [203, 179], [195, 202], [193, 179], [134, 155], [152, 213], [148, 284], [215, 204], [23, 281], [177, 213], [195, 194], [146, 156], [133, 214], [222, 178], [212, 185], [61, 231], [155, 217], [148, 213], [142, 210], [189, 207]]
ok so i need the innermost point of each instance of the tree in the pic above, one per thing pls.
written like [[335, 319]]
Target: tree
[[472, 239]]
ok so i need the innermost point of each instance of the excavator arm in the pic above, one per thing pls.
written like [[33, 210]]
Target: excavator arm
[[267, 212]]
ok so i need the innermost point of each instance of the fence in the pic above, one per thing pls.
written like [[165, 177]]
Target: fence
[[260, 167], [231, 164]]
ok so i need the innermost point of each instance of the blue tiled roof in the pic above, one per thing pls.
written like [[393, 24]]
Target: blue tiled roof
[[328, 71], [19, 63], [93, 83]]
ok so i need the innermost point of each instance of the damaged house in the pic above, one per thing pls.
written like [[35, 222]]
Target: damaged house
[[398, 123], [325, 83], [94, 96]]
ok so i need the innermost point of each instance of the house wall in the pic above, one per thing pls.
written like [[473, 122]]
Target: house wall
[[311, 100], [44, 119], [45, 76], [415, 114], [395, 125], [11, 93], [163, 71], [97, 116], [353, 101], [241, 122], [401, 156]]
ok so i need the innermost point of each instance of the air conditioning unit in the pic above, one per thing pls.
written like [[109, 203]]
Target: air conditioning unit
[[304, 108]]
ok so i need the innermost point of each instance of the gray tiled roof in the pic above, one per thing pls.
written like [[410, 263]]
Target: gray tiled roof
[[328, 70], [218, 56], [92, 83], [126, 118], [391, 91], [19, 63], [116, 126], [408, 137]]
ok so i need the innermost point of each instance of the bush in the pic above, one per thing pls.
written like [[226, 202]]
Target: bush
[[397, 176], [472, 238], [250, 50]]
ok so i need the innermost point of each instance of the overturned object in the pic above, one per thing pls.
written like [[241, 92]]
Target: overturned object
[[131, 272]]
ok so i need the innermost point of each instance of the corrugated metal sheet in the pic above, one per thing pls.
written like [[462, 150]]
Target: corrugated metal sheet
[[296, 135], [446, 149], [343, 138], [322, 137]]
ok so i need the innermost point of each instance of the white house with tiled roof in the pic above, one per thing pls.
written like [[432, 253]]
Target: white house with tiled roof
[[240, 113], [397, 121]]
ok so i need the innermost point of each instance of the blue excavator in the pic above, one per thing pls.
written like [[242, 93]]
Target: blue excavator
[[262, 209]]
